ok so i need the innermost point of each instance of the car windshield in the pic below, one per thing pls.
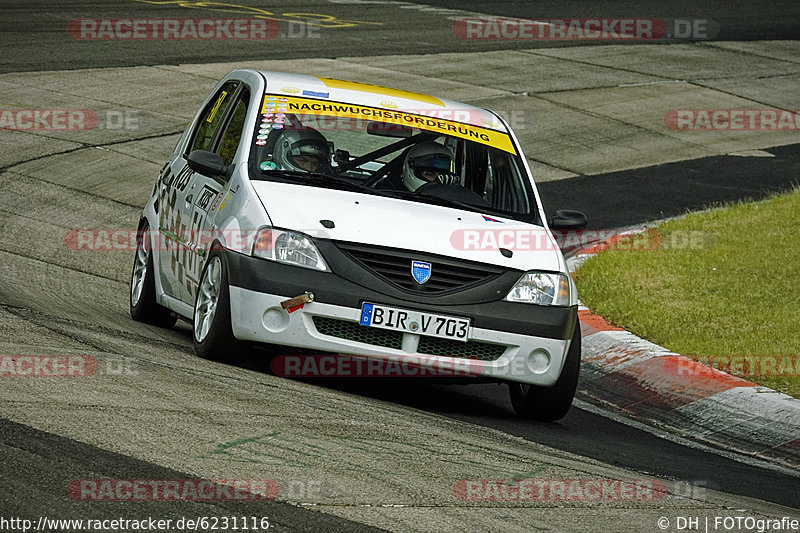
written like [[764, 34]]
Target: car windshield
[[390, 153]]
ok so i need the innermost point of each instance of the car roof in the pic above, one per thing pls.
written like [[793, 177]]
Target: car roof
[[349, 92]]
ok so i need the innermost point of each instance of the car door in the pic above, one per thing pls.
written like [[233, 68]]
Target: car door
[[208, 192], [180, 189]]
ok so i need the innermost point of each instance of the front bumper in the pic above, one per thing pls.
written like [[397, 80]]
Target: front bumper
[[508, 341]]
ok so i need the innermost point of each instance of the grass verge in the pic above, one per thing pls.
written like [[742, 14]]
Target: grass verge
[[719, 286]]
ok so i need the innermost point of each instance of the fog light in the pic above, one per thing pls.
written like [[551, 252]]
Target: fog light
[[275, 319], [539, 361]]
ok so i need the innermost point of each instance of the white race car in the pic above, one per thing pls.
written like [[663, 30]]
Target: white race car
[[346, 218]]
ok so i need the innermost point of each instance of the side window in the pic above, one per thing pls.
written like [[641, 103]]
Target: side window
[[233, 131], [211, 117], [508, 192]]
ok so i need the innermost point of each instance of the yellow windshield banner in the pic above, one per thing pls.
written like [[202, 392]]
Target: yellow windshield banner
[[311, 106]]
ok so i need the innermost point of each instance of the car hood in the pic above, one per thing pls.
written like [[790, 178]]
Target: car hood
[[397, 223]]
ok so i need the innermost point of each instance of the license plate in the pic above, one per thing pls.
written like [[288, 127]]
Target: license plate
[[407, 321]]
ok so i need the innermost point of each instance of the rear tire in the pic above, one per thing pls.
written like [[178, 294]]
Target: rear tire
[[547, 404], [212, 333], [142, 298]]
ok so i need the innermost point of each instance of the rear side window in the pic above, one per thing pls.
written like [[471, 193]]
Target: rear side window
[[211, 118], [233, 131]]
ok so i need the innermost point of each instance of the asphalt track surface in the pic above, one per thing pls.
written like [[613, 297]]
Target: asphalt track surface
[[34, 35], [630, 197], [38, 485], [36, 464]]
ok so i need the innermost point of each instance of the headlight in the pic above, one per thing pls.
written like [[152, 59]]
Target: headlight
[[287, 247], [541, 288]]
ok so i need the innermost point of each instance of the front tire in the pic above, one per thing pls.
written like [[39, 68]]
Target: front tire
[[212, 334], [548, 404], [142, 300]]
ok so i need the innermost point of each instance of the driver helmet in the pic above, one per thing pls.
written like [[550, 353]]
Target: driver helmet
[[300, 150], [428, 162]]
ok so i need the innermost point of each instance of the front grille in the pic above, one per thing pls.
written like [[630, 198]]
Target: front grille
[[483, 351], [394, 266], [353, 331]]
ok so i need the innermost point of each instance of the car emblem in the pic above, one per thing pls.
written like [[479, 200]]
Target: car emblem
[[421, 271]]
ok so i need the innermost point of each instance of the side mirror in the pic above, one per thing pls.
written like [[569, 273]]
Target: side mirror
[[568, 219], [209, 164]]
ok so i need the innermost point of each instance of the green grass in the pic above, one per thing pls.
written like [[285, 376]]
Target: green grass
[[725, 282]]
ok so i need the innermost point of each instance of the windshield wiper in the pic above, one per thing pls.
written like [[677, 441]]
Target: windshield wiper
[[456, 203], [319, 178], [448, 202]]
